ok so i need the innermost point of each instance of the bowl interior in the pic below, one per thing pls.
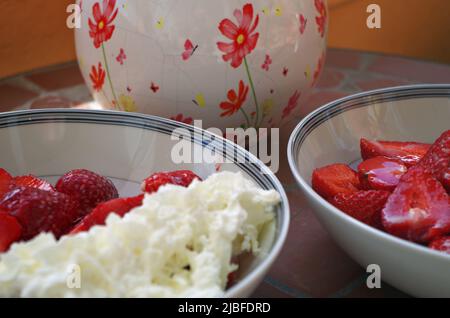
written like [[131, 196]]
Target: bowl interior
[[127, 148], [332, 134]]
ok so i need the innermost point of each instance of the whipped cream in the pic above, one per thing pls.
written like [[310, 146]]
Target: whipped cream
[[179, 243]]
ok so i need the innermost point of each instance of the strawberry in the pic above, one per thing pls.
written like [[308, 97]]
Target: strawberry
[[87, 188], [418, 209], [33, 182], [333, 179], [409, 153], [5, 182], [40, 211], [180, 177], [10, 231], [446, 180], [380, 173], [98, 216], [437, 159], [441, 244], [364, 206]]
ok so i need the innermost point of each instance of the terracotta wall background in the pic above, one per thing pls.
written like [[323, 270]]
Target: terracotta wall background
[[33, 33]]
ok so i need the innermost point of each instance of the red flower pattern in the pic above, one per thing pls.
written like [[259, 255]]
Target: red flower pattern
[[243, 39], [303, 22], [97, 76], [101, 30], [321, 20], [267, 62], [292, 104], [235, 101], [318, 69], [180, 118]]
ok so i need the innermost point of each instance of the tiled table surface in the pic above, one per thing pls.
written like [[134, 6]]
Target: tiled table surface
[[310, 265]]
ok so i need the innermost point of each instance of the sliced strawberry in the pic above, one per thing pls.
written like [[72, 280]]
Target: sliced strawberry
[[87, 188], [98, 216], [10, 231], [180, 177], [446, 180], [437, 159], [418, 210], [33, 182], [333, 179], [40, 211], [380, 173], [409, 153], [5, 182], [364, 206], [441, 244]]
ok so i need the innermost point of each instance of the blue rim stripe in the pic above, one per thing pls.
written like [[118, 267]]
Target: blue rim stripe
[[318, 117]]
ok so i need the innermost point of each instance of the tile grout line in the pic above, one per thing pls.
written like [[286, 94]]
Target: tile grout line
[[350, 287], [285, 289]]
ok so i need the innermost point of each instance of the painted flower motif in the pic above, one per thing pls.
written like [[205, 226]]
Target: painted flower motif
[[321, 20], [303, 22], [101, 30], [235, 101], [267, 62], [267, 106], [127, 102], [318, 69], [180, 118], [292, 104], [121, 57], [97, 76], [243, 39]]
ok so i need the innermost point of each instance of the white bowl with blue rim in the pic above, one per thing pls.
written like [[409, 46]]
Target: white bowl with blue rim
[[126, 148], [331, 134]]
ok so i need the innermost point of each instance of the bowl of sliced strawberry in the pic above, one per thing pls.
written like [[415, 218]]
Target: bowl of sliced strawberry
[[375, 168]]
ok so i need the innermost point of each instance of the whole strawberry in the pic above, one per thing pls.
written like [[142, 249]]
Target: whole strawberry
[[40, 211], [87, 188]]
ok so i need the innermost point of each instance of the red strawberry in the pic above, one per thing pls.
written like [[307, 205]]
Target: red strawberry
[[380, 173], [446, 180], [87, 188], [437, 159], [418, 210], [333, 179], [180, 177], [441, 244], [40, 211], [5, 182], [98, 216], [364, 206], [409, 153], [10, 230], [33, 182]]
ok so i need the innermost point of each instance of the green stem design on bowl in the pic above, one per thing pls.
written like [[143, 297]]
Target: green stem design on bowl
[[247, 119], [253, 92], [109, 78]]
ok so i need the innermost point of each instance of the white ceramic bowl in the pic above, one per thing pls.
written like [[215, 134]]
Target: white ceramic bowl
[[331, 134], [126, 148], [163, 58]]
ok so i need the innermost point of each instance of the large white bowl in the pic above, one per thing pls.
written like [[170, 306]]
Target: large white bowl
[[331, 134], [146, 72], [126, 148]]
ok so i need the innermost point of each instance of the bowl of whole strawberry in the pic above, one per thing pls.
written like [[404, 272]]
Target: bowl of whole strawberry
[[98, 204], [375, 169]]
